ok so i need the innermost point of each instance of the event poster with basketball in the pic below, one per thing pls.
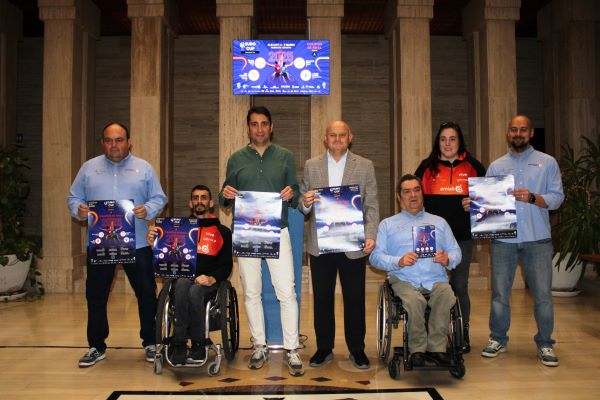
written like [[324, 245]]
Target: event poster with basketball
[[111, 232], [174, 247], [257, 224], [493, 208], [339, 219], [424, 241]]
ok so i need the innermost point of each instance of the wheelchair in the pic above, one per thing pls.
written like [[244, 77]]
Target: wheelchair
[[221, 315], [389, 314]]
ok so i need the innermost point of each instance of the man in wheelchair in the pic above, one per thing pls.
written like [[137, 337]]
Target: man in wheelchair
[[214, 263], [417, 275]]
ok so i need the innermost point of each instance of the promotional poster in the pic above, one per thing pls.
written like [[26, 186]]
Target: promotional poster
[[424, 241], [493, 210], [175, 246], [111, 232], [339, 219], [257, 224], [280, 67]]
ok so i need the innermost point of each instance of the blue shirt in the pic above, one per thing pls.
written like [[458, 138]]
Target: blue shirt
[[395, 239], [539, 173], [132, 178]]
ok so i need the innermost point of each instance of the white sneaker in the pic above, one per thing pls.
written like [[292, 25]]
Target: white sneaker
[[493, 348], [548, 357], [259, 357], [294, 362]]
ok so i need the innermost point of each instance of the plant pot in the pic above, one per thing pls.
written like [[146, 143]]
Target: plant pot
[[13, 275], [564, 283]]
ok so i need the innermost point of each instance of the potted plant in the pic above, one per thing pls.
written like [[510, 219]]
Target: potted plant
[[16, 249], [577, 231]]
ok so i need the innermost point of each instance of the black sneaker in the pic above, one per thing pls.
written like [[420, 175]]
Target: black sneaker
[[197, 353], [91, 357], [178, 354], [466, 342], [359, 359], [320, 358]]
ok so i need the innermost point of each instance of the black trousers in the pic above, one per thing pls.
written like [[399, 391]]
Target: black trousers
[[97, 289], [190, 310], [324, 270]]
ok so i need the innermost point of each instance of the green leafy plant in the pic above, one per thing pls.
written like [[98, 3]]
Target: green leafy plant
[[14, 189], [578, 228]]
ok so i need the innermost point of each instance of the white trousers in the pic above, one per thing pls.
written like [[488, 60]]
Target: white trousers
[[282, 277]]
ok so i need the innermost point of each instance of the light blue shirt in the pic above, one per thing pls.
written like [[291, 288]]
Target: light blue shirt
[[539, 173], [132, 178], [395, 239]]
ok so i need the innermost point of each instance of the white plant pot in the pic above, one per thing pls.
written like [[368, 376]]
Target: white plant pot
[[564, 283], [13, 274]]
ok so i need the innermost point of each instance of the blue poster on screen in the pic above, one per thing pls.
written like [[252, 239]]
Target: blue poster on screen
[[111, 232], [257, 224], [424, 241], [280, 67], [493, 209], [339, 219], [175, 247]]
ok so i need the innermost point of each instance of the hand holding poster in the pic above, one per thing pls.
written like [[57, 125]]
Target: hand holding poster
[[257, 224], [339, 219], [175, 247], [493, 211], [424, 241], [111, 232]]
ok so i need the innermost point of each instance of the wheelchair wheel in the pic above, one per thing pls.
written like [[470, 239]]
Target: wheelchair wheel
[[230, 322], [158, 364], [394, 368], [458, 371], [213, 369], [383, 328], [162, 314]]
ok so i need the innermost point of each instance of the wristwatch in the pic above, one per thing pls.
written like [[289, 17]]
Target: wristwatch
[[531, 198]]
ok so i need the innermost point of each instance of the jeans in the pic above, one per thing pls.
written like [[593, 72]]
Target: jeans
[[282, 277], [536, 259], [459, 279], [97, 289], [190, 310]]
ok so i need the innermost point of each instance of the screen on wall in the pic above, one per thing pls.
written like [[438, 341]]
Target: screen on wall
[[281, 67]]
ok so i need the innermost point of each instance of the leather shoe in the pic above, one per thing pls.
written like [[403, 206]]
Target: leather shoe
[[418, 359], [440, 358], [320, 358], [359, 359]]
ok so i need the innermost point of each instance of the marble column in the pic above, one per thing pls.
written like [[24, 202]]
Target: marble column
[[11, 21], [570, 35], [325, 23], [70, 27], [152, 35], [489, 28], [407, 27]]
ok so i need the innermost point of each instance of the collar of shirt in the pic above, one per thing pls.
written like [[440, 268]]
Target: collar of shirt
[[120, 163], [335, 169], [522, 155]]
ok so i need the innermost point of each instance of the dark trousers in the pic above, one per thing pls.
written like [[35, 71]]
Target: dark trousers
[[97, 288], [190, 310], [459, 279], [324, 270]]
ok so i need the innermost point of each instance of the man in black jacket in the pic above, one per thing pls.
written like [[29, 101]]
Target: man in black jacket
[[213, 265]]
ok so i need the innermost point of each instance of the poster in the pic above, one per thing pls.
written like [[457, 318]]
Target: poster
[[493, 211], [257, 224], [111, 232], [174, 250]]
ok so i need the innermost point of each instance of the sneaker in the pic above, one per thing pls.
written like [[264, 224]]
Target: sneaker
[[492, 349], [359, 359], [320, 358], [466, 342], [91, 357], [197, 353], [259, 357], [295, 367], [178, 354], [150, 352], [548, 357]]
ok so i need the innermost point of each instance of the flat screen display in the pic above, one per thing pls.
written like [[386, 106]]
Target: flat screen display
[[281, 67]]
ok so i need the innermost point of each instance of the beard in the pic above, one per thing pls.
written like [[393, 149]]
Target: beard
[[519, 143], [199, 210]]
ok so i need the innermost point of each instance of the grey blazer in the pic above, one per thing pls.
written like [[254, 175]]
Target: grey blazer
[[358, 170]]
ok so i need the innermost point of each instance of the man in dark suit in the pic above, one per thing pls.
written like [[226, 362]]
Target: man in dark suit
[[339, 167]]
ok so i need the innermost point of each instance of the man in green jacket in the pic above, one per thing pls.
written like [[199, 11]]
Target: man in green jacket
[[266, 167]]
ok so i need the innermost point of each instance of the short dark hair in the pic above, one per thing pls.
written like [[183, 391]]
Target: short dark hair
[[202, 187], [434, 157], [258, 110], [119, 125], [408, 177]]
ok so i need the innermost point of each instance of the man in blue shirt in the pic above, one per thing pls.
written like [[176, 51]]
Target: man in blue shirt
[[538, 189], [412, 277], [119, 175]]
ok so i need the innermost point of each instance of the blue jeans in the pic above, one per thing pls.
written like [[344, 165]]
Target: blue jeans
[[536, 259]]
